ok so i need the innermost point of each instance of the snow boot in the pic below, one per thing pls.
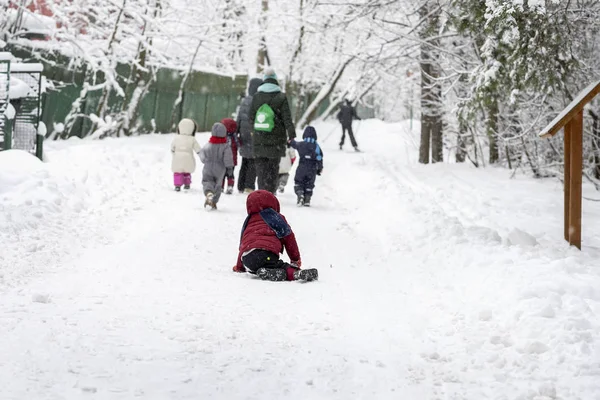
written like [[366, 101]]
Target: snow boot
[[248, 191], [209, 200], [306, 201], [300, 200], [281, 189], [177, 188], [229, 190], [186, 187], [311, 274], [356, 149], [272, 274]]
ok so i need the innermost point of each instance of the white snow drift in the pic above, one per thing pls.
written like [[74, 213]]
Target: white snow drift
[[436, 282]]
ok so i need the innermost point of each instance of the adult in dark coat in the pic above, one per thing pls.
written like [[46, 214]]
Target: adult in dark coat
[[346, 115], [269, 147], [247, 176]]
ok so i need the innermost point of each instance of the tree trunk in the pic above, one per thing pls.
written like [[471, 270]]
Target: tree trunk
[[431, 107], [424, 149], [437, 129], [596, 143], [297, 51], [103, 103], [461, 143], [311, 112], [437, 142], [179, 100], [492, 130], [263, 55]]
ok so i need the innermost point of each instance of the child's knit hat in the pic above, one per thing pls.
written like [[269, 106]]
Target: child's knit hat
[[230, 125], [219, 130]]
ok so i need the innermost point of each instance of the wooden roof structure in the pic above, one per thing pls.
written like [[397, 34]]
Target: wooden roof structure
[[571, 119]]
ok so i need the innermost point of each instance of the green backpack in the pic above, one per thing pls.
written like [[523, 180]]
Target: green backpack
[[264, 120]]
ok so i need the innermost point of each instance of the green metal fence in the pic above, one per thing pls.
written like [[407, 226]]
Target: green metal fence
[[206, 97], [5, 132], [26, 124]]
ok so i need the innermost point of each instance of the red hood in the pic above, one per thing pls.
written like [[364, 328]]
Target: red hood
[[260, 200], [230, 125]]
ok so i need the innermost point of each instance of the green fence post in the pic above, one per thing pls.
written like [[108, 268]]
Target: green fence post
[[8, 134], [39, 146]]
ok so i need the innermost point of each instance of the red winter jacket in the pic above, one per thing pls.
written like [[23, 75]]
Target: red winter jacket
[[259, 235]]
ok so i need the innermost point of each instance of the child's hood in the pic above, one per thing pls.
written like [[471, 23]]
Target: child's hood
[[218, 130], [230, 125], [254, 85], [186, 127], [261, 200], [310, 133]]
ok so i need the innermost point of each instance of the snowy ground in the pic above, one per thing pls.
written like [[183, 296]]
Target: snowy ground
[[436, 282]]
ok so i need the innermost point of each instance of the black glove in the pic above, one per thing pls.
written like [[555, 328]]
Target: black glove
[[229, 171], [319, 172]]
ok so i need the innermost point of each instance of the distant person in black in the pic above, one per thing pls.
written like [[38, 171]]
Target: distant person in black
[[346, 115]]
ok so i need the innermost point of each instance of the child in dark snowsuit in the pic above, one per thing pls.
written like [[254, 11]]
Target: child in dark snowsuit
[[310, 165], [231, 127], [264, 236], [217, 159]]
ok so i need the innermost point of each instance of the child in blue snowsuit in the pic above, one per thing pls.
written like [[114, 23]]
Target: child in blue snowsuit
[[310, 165]]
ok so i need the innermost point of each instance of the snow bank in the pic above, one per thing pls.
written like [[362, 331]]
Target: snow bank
[[517, 237], [34, 195], [10, 111], [18, 88], [16, 167], [431, 283], [43, 206], [26, 67]]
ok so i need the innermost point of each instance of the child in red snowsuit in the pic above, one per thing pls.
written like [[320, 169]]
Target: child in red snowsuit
[[231, 127], [264, 236]]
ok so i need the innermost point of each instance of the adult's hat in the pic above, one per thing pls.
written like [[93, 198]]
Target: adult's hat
[[269, 74]]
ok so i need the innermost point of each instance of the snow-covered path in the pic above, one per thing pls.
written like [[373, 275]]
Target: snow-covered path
[[430, 287]]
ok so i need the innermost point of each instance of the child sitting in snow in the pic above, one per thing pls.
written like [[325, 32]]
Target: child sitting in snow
[[231, 127], [217, 158], [265, 234], [183, 147], [285, 166], [309, 166]]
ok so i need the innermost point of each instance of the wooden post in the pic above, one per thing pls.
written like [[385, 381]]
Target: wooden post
[[576, 172], [567, 172]]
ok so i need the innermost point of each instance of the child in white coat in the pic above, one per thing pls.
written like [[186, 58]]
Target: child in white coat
[[183, 147], [285, 166]]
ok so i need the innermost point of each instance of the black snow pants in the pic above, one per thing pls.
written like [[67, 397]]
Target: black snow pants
[[346, 127], [304, 181], [247, 176], [267, 171], [262, 259]]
